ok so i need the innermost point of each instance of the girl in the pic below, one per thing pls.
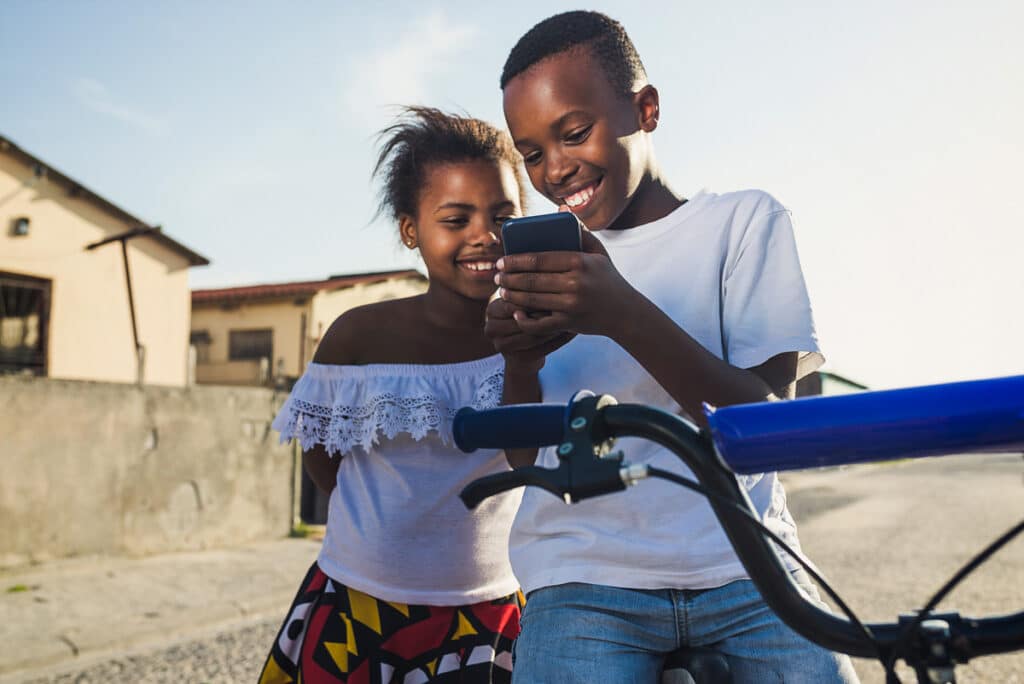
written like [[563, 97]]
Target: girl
[[410, 586]]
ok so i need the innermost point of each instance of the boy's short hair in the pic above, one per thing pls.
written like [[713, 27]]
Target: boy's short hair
[[605, 37]]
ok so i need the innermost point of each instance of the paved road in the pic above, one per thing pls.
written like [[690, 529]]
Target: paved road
[[888, 536], [885, 536]]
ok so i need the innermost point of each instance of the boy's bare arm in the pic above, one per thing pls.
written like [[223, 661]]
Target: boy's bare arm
[[587, 295], [693, 375]]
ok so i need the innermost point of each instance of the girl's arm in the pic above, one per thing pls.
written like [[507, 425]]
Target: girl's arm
[[521, 387], [524, 357], [339, 346], [321, 468]]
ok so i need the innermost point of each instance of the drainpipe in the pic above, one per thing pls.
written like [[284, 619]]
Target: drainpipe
[[140, 351]]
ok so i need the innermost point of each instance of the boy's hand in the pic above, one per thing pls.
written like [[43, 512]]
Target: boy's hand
[[524, 353], [583, 291]]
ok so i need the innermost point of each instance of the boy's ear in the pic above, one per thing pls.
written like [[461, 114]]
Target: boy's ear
[[648, 107], [407, 230]]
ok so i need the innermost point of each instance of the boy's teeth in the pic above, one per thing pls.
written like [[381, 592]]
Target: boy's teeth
[[581, 197]]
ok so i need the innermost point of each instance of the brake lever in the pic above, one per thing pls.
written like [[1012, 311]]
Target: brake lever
[[481, 488]]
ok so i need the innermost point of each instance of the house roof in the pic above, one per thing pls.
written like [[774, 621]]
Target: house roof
[[843, 379], [79, 191], [296, 289]]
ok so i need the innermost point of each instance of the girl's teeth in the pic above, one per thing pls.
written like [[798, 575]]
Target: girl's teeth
[[479, 265]]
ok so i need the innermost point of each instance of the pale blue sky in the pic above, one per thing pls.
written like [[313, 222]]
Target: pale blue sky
[[246, 130]]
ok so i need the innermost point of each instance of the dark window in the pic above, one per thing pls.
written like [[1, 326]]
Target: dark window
[[201, 340], [199, 337], [20, 226], [245, 345], [24, 315]]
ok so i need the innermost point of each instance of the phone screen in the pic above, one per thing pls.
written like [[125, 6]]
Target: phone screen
[[559, 232]]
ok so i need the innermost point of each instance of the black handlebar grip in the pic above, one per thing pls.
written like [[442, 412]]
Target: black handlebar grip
[[521, 426]]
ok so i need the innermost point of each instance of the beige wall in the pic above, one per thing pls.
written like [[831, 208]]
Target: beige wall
[[111, 468], [90, 334], [284, 317]]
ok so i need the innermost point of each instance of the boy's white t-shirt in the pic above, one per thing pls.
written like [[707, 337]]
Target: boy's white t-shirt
[[725, 269]]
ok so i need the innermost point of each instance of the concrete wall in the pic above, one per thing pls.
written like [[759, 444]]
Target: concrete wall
[[90, 468], [90, 333]]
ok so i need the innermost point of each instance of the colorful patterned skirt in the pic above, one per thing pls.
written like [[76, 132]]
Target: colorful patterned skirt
[[336, 634]]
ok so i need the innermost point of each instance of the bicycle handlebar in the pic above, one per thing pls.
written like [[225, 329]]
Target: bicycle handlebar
[[974, 416], [515, 427], [584, 472]]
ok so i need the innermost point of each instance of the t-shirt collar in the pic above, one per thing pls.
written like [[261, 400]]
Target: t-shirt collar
[[654, 229]]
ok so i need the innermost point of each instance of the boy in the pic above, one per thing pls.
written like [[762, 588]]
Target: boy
[[673, 302]]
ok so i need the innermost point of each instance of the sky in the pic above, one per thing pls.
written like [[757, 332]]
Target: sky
[[247, 130]]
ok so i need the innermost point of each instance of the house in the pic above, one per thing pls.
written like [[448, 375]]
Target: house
[[266, 334], [87, 290], [825, 382]]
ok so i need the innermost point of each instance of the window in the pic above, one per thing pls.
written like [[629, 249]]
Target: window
[[24, 315], [244, 345], [201, 340], [20, 226]]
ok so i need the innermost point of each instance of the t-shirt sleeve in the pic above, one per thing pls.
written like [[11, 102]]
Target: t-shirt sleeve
[[766, 309]]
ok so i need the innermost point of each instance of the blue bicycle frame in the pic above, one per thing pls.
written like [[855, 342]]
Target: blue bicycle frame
[[975, 416]]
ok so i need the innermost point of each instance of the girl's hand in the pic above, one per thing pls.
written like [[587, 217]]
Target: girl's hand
[[583, 291], [524, 353]]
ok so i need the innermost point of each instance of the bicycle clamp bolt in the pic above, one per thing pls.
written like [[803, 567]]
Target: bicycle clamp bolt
[[565, 449], [938, 632], [578, 423]]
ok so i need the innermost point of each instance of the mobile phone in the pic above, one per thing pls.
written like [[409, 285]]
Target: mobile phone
[[559, 232]]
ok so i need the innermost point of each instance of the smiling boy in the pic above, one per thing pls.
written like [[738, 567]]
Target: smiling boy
[[673, 302]]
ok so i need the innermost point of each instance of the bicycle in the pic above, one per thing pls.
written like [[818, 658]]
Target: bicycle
[[934, 420]]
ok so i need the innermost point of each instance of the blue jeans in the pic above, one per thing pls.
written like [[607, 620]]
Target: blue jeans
[[592, 633]]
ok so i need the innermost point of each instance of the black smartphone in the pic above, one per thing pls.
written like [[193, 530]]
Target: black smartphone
[[559, 232]]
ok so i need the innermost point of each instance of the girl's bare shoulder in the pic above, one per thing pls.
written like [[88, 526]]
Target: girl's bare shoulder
[[371, 333]]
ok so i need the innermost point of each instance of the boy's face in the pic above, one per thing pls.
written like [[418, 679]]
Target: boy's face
[[582, 141]]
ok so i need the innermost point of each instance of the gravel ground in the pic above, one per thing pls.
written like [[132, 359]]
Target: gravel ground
[[235, 655]]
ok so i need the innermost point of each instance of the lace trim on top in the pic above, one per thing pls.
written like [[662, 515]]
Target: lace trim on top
[[343, 407]]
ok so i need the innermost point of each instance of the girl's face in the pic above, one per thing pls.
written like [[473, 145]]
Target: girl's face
[[458, 223]]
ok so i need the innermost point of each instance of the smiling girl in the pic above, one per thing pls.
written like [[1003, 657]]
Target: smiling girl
[[408, 582]]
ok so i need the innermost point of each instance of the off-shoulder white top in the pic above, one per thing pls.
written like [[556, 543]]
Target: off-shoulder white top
[[396, 528]]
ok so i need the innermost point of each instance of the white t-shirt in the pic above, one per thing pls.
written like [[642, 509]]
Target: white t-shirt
[[725, 269], [396, 528]]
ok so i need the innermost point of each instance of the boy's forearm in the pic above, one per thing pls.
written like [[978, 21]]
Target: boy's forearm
[[522, 386], [685, 369]]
